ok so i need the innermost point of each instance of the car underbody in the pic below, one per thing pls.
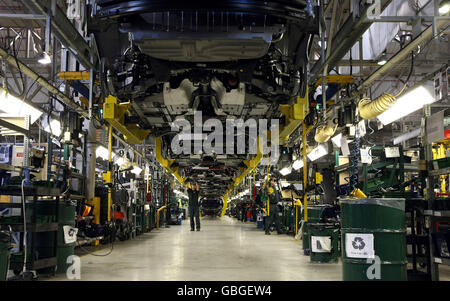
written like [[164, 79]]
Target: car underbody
[[229, 60]]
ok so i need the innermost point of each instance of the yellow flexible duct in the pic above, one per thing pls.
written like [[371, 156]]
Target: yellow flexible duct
[[370, 109], [324, 133]]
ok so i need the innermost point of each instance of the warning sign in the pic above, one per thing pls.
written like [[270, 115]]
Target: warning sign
[[359, 245]]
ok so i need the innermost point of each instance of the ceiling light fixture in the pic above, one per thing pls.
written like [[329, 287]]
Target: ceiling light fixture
[[297, 164], [286, 170], [44, 58], [445, 8], [406, 104], [320, 151], [15, 107], [383, 59]]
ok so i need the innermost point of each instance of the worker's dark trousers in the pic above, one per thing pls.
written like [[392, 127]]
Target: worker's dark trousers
[[194, 213], [272, 218]]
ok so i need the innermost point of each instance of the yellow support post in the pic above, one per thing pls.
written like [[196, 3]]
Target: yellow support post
[[336, 79], [115, 113], [296, 204], [305, 175], [157, 216], [109, 178]]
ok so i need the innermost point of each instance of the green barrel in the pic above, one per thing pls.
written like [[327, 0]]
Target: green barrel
[[373, 239], [45, 213], [145, 220], [4, 254], [313, 217], [66, 218], [319, 249]]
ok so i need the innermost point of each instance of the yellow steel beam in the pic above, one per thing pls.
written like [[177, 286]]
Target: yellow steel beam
[[294, 114], [115, 112], [166, 164], [74, 75], [336, 79]]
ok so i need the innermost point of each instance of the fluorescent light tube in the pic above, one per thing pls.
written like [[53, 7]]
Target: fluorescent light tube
[[406, 104], [102, 152], [55, 126], [44, 59], [285, 184], [285, 171], [337, 140], [318, 152], [136, 170], [444, 9], [15, 107], [297, 164]]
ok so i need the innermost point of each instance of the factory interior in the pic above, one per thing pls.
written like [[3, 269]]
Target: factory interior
[[191, 140]]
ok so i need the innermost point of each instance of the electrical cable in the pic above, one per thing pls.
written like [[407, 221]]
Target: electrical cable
[[25, 245]]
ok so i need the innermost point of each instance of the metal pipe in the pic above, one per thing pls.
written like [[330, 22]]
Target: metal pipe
[[400, 56], [323, 58], [22, 16], [91, 146], [41, 81]]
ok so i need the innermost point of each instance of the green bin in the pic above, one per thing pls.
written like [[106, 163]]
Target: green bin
[[4, 254], [319, 253], [66, 218], [313, 217], [373, 239]]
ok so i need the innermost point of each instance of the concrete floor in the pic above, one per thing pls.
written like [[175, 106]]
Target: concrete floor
[[225, 249]]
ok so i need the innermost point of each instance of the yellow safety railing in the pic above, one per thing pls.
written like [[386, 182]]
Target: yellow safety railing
[[157, 216]]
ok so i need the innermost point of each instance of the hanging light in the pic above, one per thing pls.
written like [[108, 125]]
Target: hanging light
[[337, 140], [320, 151], [44, 58], [136, 170], [286, 170], [383, 59], [444, 8], [53, 128], [297, 164], [406, 104], [15, 107]]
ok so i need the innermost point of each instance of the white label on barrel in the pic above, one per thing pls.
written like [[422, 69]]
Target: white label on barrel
[[321, 244], [70, 234], [359, 245]]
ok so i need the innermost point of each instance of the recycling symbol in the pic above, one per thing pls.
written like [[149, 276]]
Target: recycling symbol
[[358, 243]]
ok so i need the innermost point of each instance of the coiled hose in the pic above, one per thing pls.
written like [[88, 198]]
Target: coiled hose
[[370, 109], [324, 133], [353, 165]]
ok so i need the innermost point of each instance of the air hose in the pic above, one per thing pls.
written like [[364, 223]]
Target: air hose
[[324, 133], [369, 109]]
